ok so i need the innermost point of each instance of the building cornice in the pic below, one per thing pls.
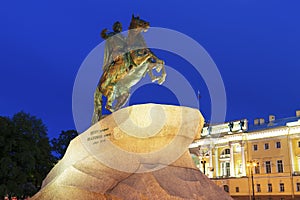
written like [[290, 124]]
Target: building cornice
[[248, 136]]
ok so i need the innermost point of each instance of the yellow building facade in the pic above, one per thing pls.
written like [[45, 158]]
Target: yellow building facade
[[264, 158]]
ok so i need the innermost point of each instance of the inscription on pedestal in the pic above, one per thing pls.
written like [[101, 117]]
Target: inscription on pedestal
[[98, 136]]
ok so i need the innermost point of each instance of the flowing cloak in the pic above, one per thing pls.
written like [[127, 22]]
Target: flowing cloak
[[115, 46]]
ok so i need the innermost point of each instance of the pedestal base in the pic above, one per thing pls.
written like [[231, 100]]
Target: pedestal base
[[140, 152]]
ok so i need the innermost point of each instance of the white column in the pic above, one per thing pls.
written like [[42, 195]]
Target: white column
[[216, 162], [210, 162], [292, 155], [232, 174], [243, 160]]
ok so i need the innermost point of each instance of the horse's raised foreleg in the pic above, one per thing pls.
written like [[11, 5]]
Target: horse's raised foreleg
[[158, 65], [149, 70], [97, 106]]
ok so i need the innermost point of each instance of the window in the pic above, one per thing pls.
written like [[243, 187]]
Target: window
[[278, 145], [279, 166], [228, 169], [268, 167], [258, 189], [225, 167], [281, 187], [257, 168], [269, 187], [298, 187], [227, 151], [226, 188], [298, 143], [237, 189], [266, 146], [255, 147]]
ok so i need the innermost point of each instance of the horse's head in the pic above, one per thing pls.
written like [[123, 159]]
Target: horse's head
[[139, 24]]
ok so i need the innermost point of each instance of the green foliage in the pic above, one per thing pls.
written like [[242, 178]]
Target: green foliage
[[195, 159], [60, 144], [25, 156]]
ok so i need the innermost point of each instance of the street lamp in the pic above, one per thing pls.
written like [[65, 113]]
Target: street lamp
[[203, 154], [252, 164], [203, 162]]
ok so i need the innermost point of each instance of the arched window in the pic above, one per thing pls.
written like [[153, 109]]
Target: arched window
[[225, 153], [226, 188]]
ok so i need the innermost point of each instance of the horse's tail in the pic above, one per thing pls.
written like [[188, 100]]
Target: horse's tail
[[97, 106], [104, 33]]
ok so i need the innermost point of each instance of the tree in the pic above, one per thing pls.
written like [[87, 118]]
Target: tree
[[7, 141], [26, 154], [60, 144]]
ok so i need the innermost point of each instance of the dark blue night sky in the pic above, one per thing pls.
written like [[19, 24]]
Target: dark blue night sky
[[255, 45]]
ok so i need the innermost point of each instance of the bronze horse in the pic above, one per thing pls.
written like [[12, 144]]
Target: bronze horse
[[126, 69]]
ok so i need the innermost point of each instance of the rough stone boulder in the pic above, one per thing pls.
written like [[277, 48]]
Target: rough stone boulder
[[139, 152]]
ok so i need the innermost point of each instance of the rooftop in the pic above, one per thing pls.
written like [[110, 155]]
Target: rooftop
[[238, 126], [272, 124]]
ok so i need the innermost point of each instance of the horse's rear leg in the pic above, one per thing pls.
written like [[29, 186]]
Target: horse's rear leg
[[110, 98], [121, 100], [97, 106], [163, 75]]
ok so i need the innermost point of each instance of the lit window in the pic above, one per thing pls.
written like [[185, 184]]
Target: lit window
[[281, 186], [225, 169], [237, 189], [266, 145], [298, 187], [225, 152], [279, 166], [257, 168], [278, 145], [268, 167], [269, 187], [258, 189], [255, 147]]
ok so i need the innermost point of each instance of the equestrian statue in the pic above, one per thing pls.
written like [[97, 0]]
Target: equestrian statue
[[126, 61]]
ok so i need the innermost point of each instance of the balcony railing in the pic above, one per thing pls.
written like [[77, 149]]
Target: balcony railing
[[225, 156]]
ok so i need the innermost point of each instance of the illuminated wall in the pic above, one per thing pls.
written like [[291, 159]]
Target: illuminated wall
[[274, 153]]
